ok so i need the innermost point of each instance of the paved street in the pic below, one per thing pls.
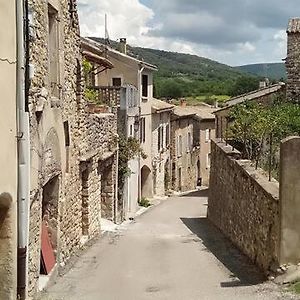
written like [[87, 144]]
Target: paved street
[[170, 252]]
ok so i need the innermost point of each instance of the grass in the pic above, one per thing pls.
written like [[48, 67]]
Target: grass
[[144, 202], [295, 288]]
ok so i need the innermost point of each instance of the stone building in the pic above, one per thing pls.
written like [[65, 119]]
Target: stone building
[[204, 132], [129, 71], [161, 159], [73, 148], [292, 60], [263, 95], [8, 152], [101, 133], [184, 156]]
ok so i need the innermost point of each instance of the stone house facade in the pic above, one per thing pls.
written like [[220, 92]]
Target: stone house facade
[[292, 61], [129, 71], [161, 159], [73, 150], [184, 156], [204, 133], [101, 133]]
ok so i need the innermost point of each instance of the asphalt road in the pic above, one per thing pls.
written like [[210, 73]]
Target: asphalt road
[[170, 252]]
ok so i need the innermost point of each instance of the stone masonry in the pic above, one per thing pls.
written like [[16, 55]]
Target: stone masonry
[[293, 60], [68, 145], [184, 163], [244, 205]]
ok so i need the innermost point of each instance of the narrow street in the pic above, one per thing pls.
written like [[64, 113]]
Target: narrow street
[[170, 252]]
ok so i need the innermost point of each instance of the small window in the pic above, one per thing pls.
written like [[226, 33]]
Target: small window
[[145, 85], [207, 135], [142, 130], [167, 135], [116, 81], [160, 138], [179, 145], [208, 160], [189, 142], [158, 142], [131, 130], [67, 133], [67, 144]]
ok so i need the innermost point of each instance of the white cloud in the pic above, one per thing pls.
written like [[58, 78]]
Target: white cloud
[[132, 24], [205, 34]]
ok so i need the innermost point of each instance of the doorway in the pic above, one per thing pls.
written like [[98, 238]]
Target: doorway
[[49, 236]]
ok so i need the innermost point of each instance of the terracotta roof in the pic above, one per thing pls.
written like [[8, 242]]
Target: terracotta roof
[[159, 105], [294, 25], [200, 112], [253, 95]]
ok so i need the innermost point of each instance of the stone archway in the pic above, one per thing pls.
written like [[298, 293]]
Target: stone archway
[[146, 182]]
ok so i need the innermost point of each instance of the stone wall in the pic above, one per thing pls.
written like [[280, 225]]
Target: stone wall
[[244, 205], [184, 166], [293, 66], [161, 159], [66, 141]]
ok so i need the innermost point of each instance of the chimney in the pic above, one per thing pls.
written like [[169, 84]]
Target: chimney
[[182, 102], [123, 46], [262, 84]]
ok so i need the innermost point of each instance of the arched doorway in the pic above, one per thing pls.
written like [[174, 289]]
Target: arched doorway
[[49, 225], [146, 182]]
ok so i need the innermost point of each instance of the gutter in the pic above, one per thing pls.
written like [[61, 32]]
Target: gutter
[[139, 81], [23, 155]]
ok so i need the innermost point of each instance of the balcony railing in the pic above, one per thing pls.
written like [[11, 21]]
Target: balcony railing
[[109, 95]]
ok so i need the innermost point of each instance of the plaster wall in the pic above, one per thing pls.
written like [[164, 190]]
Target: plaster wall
[[8, 152]]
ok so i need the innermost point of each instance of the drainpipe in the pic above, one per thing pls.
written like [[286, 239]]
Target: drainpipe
[[23, 156], [141, 69]]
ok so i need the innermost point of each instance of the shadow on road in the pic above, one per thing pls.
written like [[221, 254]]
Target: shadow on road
[[244, 273], [201, 193]]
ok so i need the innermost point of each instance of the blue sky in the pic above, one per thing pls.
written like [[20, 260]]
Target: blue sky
[[234, 32]]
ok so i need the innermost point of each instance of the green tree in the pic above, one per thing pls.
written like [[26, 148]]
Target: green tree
[[170, 89], [244, 85]]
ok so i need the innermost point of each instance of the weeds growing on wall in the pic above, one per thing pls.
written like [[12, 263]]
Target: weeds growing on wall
[[128, 149]]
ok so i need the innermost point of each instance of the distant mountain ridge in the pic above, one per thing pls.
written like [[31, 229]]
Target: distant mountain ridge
[[270, 70], [188, 75]]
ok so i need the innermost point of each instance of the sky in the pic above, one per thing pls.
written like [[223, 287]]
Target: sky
[[234, 32]]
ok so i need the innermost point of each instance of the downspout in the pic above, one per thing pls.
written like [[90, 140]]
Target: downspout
[[139, 81], [23, 156]]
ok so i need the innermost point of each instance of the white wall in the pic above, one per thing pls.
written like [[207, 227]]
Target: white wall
[[8, 151]]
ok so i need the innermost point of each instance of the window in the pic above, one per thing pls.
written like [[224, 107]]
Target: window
[[208, 160], [116, 81], [167, 135], [207, 135], [67, 144], [142, 130], [131, 130], [53, 48], [160, 138], [179, 146], [189, 142], [145, 85]]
